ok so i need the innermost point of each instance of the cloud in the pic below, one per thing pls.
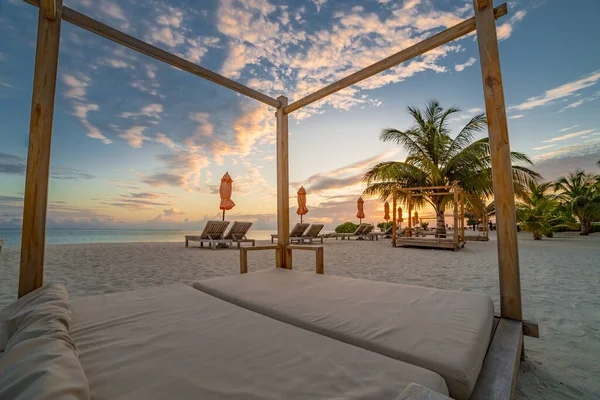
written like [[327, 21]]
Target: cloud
[[151, 111], [468, 63], [10, 164], [563, 91], [205, 128], [569, 128], [580, 102], [543, 147], [573, 151], [319, 4], [164, 179], [172, 212], [553, 168], [569, 136], [519, 116], [504, 31], [135, 136], [77, 86]]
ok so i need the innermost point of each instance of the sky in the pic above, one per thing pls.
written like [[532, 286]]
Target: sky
[[140, 144]]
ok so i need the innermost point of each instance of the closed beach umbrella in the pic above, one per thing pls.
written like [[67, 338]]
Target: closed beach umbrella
[[225, 192], [400, 219], [360, 214], [302, 210], [416, 219], [386, 208]]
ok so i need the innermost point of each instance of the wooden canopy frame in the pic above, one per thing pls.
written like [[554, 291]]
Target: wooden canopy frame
[[506, 344], [458, 200]]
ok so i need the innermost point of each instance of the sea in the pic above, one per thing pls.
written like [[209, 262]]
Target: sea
[[12, 237]]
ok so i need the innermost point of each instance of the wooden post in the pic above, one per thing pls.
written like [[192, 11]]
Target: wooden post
[[462, 217], [456, 228], [283, 202], [395, 219], [508, 254], [243, 261], [320, 259], [33, 240], [409, 229]]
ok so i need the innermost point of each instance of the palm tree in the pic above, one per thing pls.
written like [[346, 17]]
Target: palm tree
[[580, 192], [539, 212], [436, 159]]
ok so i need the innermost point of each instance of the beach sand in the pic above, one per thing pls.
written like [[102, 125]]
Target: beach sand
[[560, 282]]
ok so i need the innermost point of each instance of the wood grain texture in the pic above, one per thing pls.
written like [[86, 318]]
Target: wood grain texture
[[508, 254], [283, 195], [498, 377], [50, 8], [395, 217], [117, 36], [33, 241], [456, 228], [244, 255], [416, 50]]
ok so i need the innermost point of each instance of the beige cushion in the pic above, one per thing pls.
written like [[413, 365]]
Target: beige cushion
[[175, 342], [38, 359], [443, 331]]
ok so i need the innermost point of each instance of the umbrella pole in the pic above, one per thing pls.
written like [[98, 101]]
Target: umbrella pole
[[223, 215], [300, 218]]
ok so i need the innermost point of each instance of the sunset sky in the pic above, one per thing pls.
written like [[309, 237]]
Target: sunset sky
[[140, 144]]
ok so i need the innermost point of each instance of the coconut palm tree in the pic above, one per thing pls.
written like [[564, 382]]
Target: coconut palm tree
[[437, 159], [539, 212], [580, 192]]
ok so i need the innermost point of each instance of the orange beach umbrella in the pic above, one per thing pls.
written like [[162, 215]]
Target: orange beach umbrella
[[225, 193], [360, 214], [416, 219], [386, 208], [302, 210]]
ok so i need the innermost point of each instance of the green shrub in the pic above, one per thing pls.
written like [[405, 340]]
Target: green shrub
[[596, 227], [384, 225], [346, 227]]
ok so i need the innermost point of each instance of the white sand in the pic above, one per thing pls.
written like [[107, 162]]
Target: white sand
[[560, 282]]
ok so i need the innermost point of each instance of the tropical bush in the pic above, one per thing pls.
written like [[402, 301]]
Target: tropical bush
[[384, 225], [579, 192], [346, 227]]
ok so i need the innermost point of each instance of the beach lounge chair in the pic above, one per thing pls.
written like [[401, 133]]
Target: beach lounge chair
[[237, 233], [311, 234], [443, 331], [213, 234], [377, 235], [175, 342], [296, 232], [359, 231]]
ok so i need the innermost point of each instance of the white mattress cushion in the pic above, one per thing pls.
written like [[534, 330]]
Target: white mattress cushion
[[446, 332], [38, 359], [177, 342]]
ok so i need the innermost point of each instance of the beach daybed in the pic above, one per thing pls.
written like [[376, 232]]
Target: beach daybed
[[296, 232], [311, 234], [212, 234], [237, 233], [177, 342], [443, 331], [431, 243]]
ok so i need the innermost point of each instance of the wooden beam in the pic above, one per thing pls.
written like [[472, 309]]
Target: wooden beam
[[530, 328], [504, 197], [409, 230], [283, 195], [33, 241], [456, 227], [426, 188], [319, 256], [498, 377], [416, 50], [462, 217], [50, 8], [117, 36], [395, 217]]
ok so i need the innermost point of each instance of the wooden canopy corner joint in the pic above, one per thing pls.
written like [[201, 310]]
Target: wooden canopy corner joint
[[50, 9]]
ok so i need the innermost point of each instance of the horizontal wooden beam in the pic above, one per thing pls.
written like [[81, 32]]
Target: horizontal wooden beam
[[425, 188], [416, 50], [117, 36], [530, 328]]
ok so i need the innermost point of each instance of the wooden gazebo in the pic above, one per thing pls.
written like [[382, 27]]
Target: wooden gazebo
[[498, 377], [457, 241]]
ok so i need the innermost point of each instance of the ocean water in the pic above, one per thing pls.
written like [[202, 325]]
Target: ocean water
[[12, 237]]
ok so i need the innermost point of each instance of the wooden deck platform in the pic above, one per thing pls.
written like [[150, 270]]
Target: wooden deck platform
[[430, 243]]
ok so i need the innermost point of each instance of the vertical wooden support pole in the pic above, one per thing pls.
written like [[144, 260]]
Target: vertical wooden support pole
[[395, 217], [243, 261], [508, 255], [456, 228], [31, 274], [288, 257], [462, 217], [320, 261], [283, 202], [409, 230]]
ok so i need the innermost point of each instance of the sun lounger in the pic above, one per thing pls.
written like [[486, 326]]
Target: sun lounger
[[311, 234], [296, 232], [176, 342], [359, 231], [443, 331], [377, 235], [237, 233], [213, 234]]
